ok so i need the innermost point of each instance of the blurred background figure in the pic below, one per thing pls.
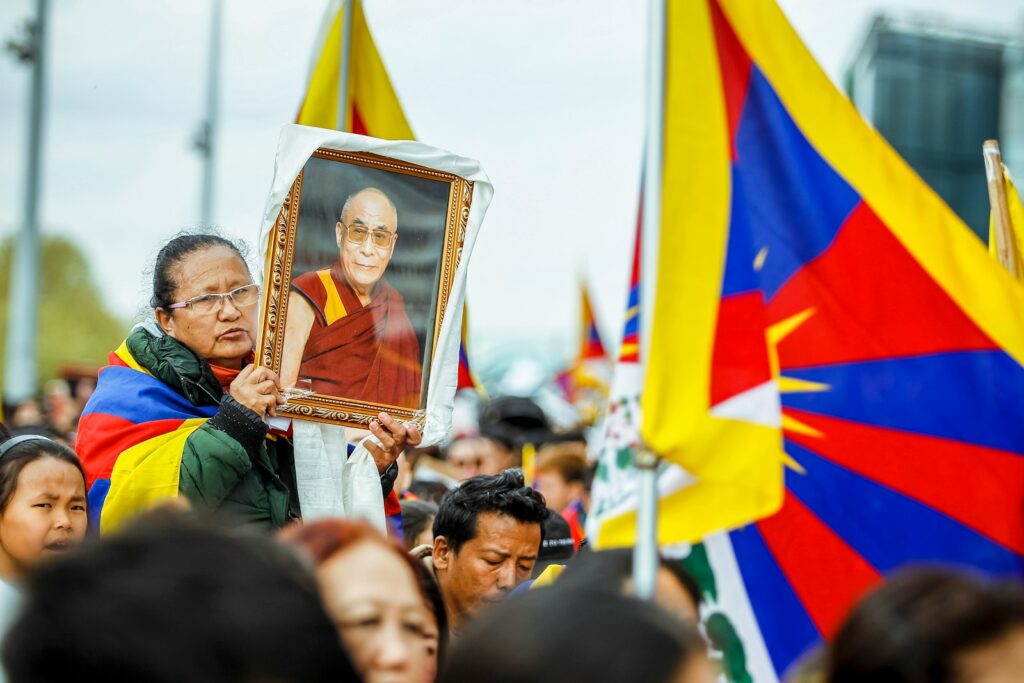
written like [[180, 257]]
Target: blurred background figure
[[675, 590], [487, 536], [559, 474], [932, 626], [557, 547], [394, 631], [168, 599], [559, 635], [473, 456], [418, 523]]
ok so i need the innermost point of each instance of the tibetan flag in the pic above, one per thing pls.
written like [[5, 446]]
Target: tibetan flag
[[591, 347], [1016, 214], [467, 378], [132, 434], [895, 342], [373, 107]]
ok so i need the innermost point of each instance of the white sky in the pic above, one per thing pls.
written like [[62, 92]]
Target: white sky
[[547, 94]]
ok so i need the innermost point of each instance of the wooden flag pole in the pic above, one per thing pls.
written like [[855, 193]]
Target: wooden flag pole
[[1000, 209]]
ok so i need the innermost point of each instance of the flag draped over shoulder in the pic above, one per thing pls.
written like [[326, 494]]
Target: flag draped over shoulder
[[373, 106], [894, 341], [134, 429]]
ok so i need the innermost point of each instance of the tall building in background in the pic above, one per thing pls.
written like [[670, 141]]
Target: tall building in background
[[936, 93]]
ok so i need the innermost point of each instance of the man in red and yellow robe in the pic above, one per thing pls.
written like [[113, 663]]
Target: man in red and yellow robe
[[347, 330]]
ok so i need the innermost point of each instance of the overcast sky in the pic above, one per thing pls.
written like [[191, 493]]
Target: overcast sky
[[547, 94]]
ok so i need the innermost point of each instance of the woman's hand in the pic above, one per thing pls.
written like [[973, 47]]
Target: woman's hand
[[395, 437], [258, 390]]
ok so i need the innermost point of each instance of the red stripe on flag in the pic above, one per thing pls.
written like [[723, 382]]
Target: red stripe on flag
[[825, 573], [740, 356], [860, 312], [735, 65], [950, 476], [107, 436], [358, 126]]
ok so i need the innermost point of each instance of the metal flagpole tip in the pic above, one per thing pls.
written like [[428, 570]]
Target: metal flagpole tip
[[646, 459]]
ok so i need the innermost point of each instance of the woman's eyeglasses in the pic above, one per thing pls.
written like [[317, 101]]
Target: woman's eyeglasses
[[208, 303]]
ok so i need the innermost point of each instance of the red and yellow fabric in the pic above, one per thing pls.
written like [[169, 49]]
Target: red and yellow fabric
[[373, 107], [807, 254], [467, 378], [131, 437]]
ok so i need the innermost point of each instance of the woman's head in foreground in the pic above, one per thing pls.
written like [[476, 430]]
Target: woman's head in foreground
[[204, 296], [392, 627]]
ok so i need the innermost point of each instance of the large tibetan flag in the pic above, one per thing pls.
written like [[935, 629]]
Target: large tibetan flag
[[373, 107], [895, 341], [132, 434]]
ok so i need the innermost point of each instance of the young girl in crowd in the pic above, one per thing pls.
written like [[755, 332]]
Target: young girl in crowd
[[42, 503]]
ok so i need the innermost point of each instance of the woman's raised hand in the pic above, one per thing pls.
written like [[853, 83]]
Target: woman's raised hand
[[258, 389], [395, 438]]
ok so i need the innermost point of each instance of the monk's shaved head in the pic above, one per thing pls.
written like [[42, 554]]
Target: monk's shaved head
[[352, 198]]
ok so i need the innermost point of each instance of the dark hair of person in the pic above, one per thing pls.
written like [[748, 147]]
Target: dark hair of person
[[429, 491], [4, 434], [573, 635], [168, 599], [912, 628], [19, 455], [172, 254], [417, 515], [613, 568], [504, 494]]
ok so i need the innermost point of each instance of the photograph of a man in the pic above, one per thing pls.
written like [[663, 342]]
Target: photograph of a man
[[347, 330]]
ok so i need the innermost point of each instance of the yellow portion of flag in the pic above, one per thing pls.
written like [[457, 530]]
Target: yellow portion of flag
[[1016, 213], [738, 464], [373, 107], [145, 474]]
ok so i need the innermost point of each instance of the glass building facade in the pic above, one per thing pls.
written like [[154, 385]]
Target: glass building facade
[[936, 95]]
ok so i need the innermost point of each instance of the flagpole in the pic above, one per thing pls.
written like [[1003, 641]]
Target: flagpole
[[345, 63], [645, 552], [21, 355], [1000, 207], [207, 143]]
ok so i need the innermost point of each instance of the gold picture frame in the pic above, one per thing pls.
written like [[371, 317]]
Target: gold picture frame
[[431, 205]]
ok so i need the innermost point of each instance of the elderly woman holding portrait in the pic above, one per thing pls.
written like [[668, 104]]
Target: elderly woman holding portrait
[[180, 409], [347, 330]]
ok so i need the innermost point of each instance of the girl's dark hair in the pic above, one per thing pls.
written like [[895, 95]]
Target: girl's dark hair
[[18, 456], [173, 253]]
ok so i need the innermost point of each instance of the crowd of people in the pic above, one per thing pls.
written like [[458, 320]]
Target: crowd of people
[[486, 575]]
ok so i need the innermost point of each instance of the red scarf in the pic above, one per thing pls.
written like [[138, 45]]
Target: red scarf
[[224, 375]]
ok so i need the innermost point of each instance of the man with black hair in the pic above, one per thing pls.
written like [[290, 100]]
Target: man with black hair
[[487, 535]]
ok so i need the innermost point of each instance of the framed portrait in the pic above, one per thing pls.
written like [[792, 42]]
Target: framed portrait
[[359, 268]]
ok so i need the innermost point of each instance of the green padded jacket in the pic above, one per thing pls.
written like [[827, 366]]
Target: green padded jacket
[[230, 468]]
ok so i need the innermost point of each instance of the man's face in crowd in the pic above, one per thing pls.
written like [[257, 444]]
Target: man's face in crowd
[[479, 455], [486, 568], [371, 215], [557, 492]]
